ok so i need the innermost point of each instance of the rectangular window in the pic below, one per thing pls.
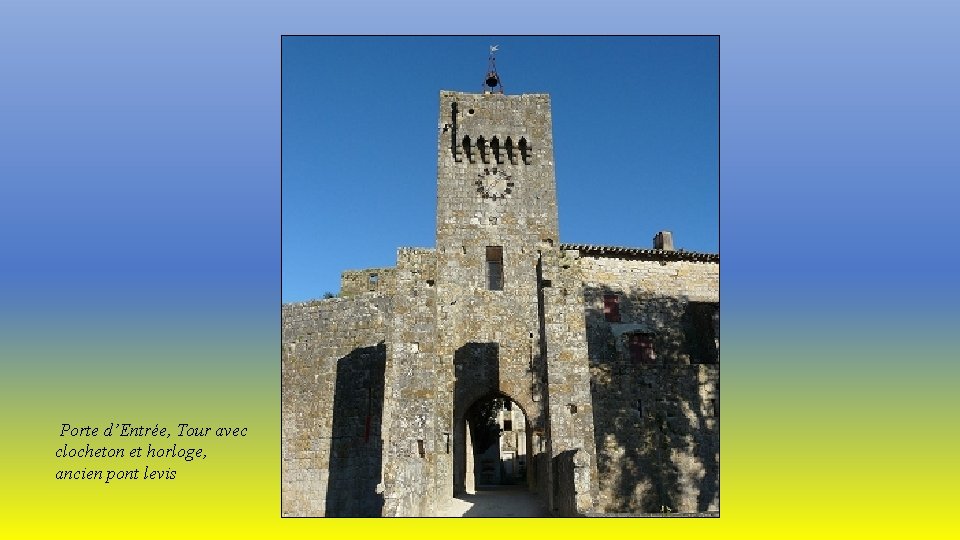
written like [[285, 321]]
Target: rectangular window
[[641, 348], [611, 307], [494, 268], [508, 425]]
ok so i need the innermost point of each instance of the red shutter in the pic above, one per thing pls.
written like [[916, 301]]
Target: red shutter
[[611, 307], [641, 348]]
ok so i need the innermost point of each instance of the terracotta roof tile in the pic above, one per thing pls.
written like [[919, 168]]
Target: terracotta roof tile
[[640, 253]]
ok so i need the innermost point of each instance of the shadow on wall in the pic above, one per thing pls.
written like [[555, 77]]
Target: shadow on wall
[[356, 442], [540, 465], [564, 483], [657, 435]]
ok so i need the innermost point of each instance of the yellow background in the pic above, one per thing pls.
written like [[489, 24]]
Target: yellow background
[[811, 446]]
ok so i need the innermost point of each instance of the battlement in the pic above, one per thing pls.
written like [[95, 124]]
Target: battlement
[[492, 129]]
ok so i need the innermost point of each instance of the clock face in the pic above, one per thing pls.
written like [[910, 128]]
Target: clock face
[[493, 183]]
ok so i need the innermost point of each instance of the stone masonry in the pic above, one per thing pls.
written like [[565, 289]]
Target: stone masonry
[[611, 354]]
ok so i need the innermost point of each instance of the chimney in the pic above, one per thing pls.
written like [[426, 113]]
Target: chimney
[[663, 240]]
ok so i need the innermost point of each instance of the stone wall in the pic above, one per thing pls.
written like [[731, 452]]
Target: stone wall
[[570, 407], [573, 469], [656, 419], [417, 460], [333, 355], [353, 282]]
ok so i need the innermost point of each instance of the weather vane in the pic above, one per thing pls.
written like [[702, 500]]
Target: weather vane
[[493, 79]]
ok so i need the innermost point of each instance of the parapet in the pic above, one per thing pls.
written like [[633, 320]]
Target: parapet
[[354, 282]]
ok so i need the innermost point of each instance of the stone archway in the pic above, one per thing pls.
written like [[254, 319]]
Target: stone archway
[[495, 444]]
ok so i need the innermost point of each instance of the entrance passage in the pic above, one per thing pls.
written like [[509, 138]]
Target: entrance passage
[[497, 442], [496, 501]]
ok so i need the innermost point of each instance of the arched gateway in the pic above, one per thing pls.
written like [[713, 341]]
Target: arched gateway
[[492, 445]]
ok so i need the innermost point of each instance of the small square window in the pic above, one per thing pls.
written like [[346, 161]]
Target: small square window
[[611, 307], [508, 425]]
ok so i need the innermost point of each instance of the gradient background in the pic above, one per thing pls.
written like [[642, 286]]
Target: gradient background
[[140, 256]]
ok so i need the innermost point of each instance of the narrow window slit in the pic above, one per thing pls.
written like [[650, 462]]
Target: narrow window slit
[[495, 268]]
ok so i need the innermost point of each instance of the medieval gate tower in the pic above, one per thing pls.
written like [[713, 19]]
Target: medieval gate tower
[[380, 384]]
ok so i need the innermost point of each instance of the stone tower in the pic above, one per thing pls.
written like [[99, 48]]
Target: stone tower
[[503, 322]]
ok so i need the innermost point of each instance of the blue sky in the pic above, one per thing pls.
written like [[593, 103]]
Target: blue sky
[[635, 133]]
